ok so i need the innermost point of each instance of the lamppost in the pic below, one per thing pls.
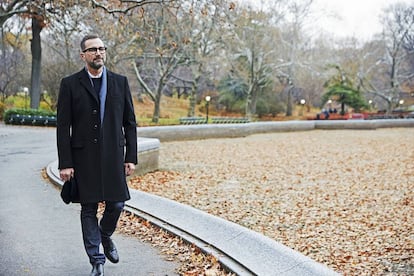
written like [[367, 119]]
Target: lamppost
[[26, 94], [302, 102], [207, 98]]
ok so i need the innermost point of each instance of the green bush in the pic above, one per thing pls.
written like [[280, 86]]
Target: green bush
[[32, 112], [17, 101], [2, 108]]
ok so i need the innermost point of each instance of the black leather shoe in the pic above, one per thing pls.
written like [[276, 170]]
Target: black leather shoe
[[97, 270], [110, 251]]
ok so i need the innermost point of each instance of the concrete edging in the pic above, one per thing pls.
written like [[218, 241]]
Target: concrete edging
[[207, 131], [242, 250]]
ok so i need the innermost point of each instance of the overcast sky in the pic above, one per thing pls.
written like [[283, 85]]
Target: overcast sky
[[359, 18], [343, 18]]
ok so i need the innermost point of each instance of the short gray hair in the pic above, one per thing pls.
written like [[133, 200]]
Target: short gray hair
[[87, 37]]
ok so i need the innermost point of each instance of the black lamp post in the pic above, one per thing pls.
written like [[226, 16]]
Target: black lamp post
[[208, 98], [26, 95], [302, 103]]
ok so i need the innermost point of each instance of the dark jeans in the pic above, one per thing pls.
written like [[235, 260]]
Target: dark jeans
[[93, 234]]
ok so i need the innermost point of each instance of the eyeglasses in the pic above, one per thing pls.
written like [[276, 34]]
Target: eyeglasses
[[94, 50]]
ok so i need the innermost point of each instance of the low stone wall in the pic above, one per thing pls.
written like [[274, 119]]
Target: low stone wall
[[148, 155], [206, 131]]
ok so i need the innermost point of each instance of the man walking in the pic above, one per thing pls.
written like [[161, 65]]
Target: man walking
[[97, 145]]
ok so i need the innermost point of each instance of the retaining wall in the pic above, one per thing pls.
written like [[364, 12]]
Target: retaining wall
[[206, 131]]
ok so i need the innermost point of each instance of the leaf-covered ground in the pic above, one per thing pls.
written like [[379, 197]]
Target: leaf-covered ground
[[342, 197]]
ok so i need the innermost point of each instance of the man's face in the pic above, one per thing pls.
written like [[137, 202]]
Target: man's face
[[94, 53]]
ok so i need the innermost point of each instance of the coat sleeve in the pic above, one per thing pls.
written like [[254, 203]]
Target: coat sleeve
[[130, 127], [64, 123]]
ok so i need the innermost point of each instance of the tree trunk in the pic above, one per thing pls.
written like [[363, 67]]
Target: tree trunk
[[192, 99], [157, 103], [255, 95], [194, 88], [249, 103], [342, 109], [36, 47], [156, 114], [289, 102]]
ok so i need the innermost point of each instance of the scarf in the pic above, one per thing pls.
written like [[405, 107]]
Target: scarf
[[102, 94]]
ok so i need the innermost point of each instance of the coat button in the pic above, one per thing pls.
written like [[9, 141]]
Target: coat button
[[95, 141], [94, 111], [95, 126]]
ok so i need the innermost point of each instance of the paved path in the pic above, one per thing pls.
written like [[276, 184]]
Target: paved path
[[39, 234]]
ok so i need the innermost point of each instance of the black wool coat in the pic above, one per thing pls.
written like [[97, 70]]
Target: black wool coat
[[96, 152]]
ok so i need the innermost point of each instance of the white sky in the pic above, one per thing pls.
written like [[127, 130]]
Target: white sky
[[358, 18], [345, 18]]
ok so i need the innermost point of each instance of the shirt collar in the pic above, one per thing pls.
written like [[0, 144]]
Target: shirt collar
[[92, 76]]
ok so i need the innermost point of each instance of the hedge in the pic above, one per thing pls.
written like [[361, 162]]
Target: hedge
[[19, 116]]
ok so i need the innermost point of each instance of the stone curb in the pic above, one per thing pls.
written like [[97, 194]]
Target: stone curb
[[206, 131]]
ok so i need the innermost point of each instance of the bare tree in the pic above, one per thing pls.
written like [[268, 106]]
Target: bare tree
[[12, 58], [63, 48], [39, 11], [398, 25], [34, 9], [164, 53], [203, 28], [294, 45], [252, 50]]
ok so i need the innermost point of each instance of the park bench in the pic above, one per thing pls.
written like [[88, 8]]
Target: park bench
[[192, 120], [381, 116], [32, 120], [229, 120]]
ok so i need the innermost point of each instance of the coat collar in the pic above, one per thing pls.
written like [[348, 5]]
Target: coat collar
[[85, 81]]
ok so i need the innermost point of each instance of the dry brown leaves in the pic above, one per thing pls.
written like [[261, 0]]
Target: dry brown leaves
[[193, 261], [342, 197]]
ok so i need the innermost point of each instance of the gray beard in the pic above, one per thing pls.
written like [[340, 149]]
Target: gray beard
[[95, 66]]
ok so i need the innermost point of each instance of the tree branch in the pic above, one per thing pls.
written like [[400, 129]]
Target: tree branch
[[128, 5]]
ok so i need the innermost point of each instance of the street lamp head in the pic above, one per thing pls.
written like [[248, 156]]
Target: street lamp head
[[302, 102], [401, 102], [208, 98]]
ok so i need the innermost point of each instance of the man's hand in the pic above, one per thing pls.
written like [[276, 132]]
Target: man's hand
[[66, 174], [129, 168]]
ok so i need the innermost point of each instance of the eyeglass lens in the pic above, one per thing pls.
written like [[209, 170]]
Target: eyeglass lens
[[95, 50]]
